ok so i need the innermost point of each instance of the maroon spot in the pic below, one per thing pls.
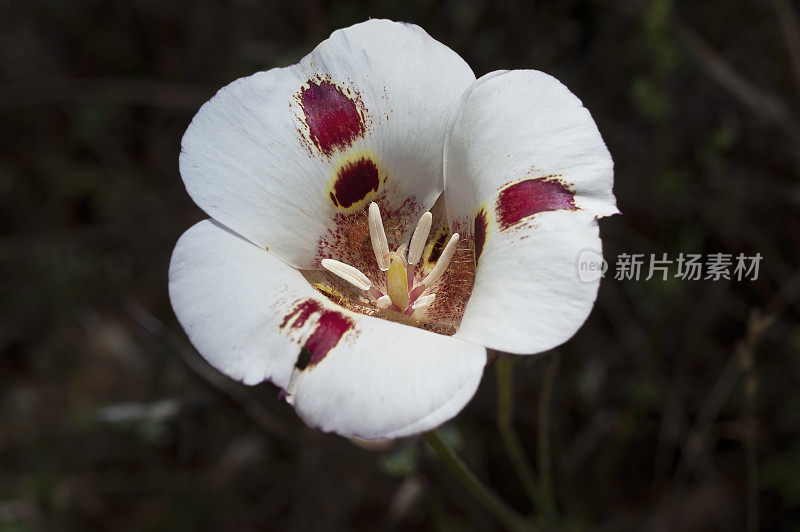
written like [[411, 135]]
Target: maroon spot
[[354, 181], [333, 119], [480, 233], [331, 326], [531, 196], [300, 314]]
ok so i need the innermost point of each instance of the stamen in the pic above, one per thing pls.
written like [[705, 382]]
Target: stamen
[[383, 302], [397, 284], [443, 262], [378, 237], [420, 238], [423, 302], [348, 273]]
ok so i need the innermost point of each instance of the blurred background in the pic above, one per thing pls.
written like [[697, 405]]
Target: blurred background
[[675, 407]]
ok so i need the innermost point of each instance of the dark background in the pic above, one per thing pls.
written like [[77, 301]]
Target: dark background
[[674, 408]]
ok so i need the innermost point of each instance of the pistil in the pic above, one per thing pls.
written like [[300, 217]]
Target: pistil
[[397, 284]]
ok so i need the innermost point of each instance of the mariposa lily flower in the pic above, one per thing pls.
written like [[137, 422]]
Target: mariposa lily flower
[[378, 219]]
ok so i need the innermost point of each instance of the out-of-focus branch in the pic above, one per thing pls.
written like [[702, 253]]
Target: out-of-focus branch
[[747, 362], [719, 70], [787, 18], [545, 463], [758, 101], [151, 93], [757, 325], [262, 417], [740, 362]]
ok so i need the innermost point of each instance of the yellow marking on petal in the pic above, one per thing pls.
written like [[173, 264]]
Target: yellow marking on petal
[[397, 281], [329, 291], [435, 246]]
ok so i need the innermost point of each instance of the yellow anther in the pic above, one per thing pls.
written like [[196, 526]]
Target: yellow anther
[[397, 281]]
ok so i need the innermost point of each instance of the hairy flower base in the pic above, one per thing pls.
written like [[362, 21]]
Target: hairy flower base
[[440, 294]]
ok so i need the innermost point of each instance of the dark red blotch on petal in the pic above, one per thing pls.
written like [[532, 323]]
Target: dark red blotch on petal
[[330, 327], [300, 314], [354, 181], [531, 196], [481, 225], [333, 118]]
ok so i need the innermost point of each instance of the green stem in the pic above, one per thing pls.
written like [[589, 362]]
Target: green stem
[[545, 464], [505, 410], [509, 517]]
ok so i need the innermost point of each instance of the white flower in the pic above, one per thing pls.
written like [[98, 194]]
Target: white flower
[[321, 269]]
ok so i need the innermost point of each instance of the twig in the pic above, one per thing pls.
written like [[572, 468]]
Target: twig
[[722, 389], [720, 71], [545, 464], [748, 93], [153, 93], [787, 295], [509, 517], [262, 417], [787, 18], [505, 411], [738, 363], [746, 360]]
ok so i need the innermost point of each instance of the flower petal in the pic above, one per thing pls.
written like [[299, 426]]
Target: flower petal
[[255, 318], [526, 177], [278, 155], [527, 295], [393, 380]]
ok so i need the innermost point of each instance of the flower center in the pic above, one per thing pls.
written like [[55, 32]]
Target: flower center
[[405, 294]]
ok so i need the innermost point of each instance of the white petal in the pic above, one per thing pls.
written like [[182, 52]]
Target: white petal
[[227, 294], [275, 156], [252, 316], [526, 175], [524, 124], [527, 296], [393, 381]]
